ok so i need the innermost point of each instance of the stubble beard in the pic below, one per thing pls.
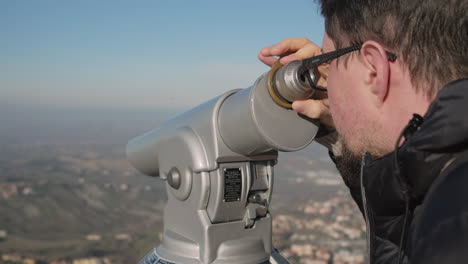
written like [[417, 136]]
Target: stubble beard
[[349, 160], [348, 163]]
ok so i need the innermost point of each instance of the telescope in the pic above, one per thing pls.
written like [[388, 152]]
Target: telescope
[[217, 161]]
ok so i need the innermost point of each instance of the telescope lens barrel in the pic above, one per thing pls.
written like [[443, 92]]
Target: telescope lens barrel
[[290, 82]]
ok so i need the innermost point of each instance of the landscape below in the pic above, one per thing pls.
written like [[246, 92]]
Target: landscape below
[[68, 195]]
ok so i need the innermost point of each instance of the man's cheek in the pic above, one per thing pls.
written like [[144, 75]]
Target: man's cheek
[[334, 112], [339, 124], [341, 116]]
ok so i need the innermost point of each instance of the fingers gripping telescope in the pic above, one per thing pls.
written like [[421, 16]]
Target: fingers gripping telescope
[[217, 160]]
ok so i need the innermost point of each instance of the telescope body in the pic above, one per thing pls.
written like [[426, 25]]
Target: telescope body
[[217, 160]]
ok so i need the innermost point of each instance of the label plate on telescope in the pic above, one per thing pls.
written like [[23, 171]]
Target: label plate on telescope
[[232, 184]]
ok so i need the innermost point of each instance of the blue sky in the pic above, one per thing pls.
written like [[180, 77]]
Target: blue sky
[[148, 54]]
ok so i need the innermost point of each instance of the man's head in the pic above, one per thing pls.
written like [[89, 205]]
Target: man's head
[[371, 97]]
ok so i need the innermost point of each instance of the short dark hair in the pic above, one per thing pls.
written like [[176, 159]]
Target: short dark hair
[[430, 36]]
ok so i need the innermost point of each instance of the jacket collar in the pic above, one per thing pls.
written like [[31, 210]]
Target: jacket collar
[[443, 133]]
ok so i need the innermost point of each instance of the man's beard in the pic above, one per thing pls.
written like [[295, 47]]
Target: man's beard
[[347, 159], [348, 164]]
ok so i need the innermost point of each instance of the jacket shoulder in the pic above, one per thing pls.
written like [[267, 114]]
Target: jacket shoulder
[[441, 228]]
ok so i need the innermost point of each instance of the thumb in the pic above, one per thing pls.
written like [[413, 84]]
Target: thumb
[[311, 108], [317, 109]]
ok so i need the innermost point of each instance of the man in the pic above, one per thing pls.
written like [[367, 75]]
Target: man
[[398, 99]]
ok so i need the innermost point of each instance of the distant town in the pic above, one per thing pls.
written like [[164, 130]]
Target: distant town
[[84, 204]]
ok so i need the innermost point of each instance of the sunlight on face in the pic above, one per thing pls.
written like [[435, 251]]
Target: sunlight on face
[[349, 103]]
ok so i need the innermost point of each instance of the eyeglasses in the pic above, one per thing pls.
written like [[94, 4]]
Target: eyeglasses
[[312, 63]]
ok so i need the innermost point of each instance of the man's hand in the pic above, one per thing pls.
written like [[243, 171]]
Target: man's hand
[[298, 49], [289, 50], [318, 108]]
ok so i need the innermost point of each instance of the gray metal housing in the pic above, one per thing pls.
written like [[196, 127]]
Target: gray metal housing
[[241, 129]]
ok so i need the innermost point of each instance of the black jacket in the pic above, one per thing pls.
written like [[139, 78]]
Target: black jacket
[[424, 181]]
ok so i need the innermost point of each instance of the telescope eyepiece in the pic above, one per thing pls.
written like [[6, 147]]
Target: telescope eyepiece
[[292, 82]]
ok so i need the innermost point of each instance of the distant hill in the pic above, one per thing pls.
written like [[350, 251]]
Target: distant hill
[[67, 191], [54, 199]]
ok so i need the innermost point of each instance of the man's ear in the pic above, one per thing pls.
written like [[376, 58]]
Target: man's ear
[[377, 73]]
